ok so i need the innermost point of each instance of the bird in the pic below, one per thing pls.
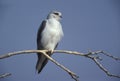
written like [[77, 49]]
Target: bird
[[49, 35]]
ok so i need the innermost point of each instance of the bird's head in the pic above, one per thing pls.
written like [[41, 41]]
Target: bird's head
[[55, 14]]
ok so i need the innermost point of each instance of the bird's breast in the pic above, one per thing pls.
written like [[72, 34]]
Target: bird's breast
[[51, 35]]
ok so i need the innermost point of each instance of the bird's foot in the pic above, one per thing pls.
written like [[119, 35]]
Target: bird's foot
[[51, 51]]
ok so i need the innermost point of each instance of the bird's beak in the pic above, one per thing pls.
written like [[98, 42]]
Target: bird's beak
[[60, 16]]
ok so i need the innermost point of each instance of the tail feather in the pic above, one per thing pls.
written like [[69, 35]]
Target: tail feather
[[42, 61], [40, 65]]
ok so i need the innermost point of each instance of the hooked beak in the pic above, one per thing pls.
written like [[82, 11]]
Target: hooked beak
[[60, 16]]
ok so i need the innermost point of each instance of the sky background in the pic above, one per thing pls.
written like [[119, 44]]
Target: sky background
[[87, 25]]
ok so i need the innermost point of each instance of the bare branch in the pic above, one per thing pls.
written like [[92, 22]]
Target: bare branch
[[113, 57], [72, 74], [104, 69], [91, 55], [21, 52], [5, 75]]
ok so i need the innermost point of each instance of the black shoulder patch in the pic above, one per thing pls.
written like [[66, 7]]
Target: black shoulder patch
[[41, 28]]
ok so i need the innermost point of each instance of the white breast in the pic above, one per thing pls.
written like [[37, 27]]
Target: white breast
[[52, 34]]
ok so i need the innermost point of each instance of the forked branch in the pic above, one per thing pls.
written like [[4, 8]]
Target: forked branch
[[91, 55]]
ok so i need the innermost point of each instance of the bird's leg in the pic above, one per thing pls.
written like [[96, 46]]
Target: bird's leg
[[50, 51]]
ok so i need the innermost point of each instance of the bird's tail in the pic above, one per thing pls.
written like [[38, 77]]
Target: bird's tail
[[41, 62]]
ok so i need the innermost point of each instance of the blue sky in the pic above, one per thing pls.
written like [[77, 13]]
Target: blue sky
[[87, 24]]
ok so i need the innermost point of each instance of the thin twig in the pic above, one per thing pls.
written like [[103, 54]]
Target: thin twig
[[113, 57], [104, 69], [5, 75]]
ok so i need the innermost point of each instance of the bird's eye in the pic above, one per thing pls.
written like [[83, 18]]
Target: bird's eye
[[56, 13]]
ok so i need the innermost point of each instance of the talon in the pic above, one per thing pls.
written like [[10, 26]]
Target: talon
[[51, 51]]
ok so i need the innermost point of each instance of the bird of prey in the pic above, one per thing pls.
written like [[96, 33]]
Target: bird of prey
[[48, 37]]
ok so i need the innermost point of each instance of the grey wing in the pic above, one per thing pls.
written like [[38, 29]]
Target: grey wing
[[40, 64], [41, 28]]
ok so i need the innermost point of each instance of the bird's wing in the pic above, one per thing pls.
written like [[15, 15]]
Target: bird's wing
[[41, 28], [39, 65]]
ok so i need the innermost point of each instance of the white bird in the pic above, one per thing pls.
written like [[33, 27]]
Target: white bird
[[48, 37]]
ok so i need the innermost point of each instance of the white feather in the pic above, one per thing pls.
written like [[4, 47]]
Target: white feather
[[52, 34]]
